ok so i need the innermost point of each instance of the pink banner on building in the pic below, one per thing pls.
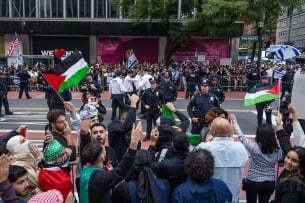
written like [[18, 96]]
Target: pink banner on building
[[112, 49], [213, 49]]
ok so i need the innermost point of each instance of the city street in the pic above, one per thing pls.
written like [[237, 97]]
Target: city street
[[33, 113]]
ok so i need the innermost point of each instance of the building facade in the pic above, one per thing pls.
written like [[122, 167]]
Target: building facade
[[291, 28], [98, 29]]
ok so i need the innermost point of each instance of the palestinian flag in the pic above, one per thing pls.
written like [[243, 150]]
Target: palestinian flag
[[168, 113], [67, 73], [262, 94]]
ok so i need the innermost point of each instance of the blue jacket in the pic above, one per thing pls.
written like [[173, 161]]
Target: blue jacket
[[214, 191]]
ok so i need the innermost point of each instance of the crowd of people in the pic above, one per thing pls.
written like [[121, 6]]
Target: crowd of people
[[113, 167]]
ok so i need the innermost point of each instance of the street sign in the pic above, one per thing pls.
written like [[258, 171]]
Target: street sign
[[249, 37]]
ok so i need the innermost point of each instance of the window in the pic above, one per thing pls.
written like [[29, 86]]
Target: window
[[17, 8], [30, 9], [4, 8], [187, 9], [99, 8], [57, 8], [71, 9], [44, 8], [84, 8]]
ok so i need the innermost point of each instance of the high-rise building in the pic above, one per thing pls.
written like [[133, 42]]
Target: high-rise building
[[291, 27]]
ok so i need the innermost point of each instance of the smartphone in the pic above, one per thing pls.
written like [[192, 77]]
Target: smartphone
[[47, 129]]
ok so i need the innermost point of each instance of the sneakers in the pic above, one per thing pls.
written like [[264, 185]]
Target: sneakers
[[9, 113], [1, 115], [29, 97]]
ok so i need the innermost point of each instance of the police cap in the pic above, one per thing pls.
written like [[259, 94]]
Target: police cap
[[152, 80], [205, 83]]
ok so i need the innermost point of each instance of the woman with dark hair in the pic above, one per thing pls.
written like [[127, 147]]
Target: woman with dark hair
[[141, 185], [291, 183], [201, 186], [264, 154]]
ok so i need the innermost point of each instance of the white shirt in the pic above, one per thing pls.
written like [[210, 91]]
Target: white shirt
[[127, 82], [144, 83], [230, 159], [116, 86]]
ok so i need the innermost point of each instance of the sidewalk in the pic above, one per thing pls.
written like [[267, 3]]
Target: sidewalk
[[105, 94]]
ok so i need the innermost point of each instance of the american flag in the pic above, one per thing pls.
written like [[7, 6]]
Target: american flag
[[14, 43]]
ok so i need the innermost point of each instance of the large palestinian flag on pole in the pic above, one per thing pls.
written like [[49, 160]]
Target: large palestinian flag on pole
[[67, 73], [262, 94]]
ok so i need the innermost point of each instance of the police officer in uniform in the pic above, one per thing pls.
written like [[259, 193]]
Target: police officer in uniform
[[192, 79], [4, 80], [287, 82], [264, 106], [253, 77], [199, 105], [167, 89], [117, 91], [24, 82], [217, 90], [152, 103]]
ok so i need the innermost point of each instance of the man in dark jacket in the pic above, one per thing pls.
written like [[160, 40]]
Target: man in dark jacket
[[95, 184], [201, 187], [264, 106], [120, 128], [56, 100], [167, 89], [199, 105], [24, 82], [4, 81], [172, 168]]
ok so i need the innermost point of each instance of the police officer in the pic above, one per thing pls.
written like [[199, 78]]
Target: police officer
[[199, 105], [287, 82], [90, 85], [167, 89], [152, 102], [192, 79], [117, 91], [4, 80], [260, 107], [130, 82], [253, 77], [143, 84], [217, 90], [24, 76]]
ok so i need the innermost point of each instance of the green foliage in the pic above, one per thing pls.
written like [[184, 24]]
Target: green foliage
[[214, 17]]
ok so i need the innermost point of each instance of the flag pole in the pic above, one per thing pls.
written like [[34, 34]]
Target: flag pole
[[279, 102]]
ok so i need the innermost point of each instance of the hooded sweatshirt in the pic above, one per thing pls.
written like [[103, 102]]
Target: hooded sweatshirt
[[213, 191]]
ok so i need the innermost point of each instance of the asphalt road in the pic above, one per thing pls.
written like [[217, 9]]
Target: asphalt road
[[33, 113]]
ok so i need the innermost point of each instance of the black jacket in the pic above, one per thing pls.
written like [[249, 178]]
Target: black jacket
[[24, 76], [171, 169], [110, 153], [119, 133], [101, 182]]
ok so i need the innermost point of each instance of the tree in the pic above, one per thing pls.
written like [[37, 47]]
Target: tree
[[214, 18]]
